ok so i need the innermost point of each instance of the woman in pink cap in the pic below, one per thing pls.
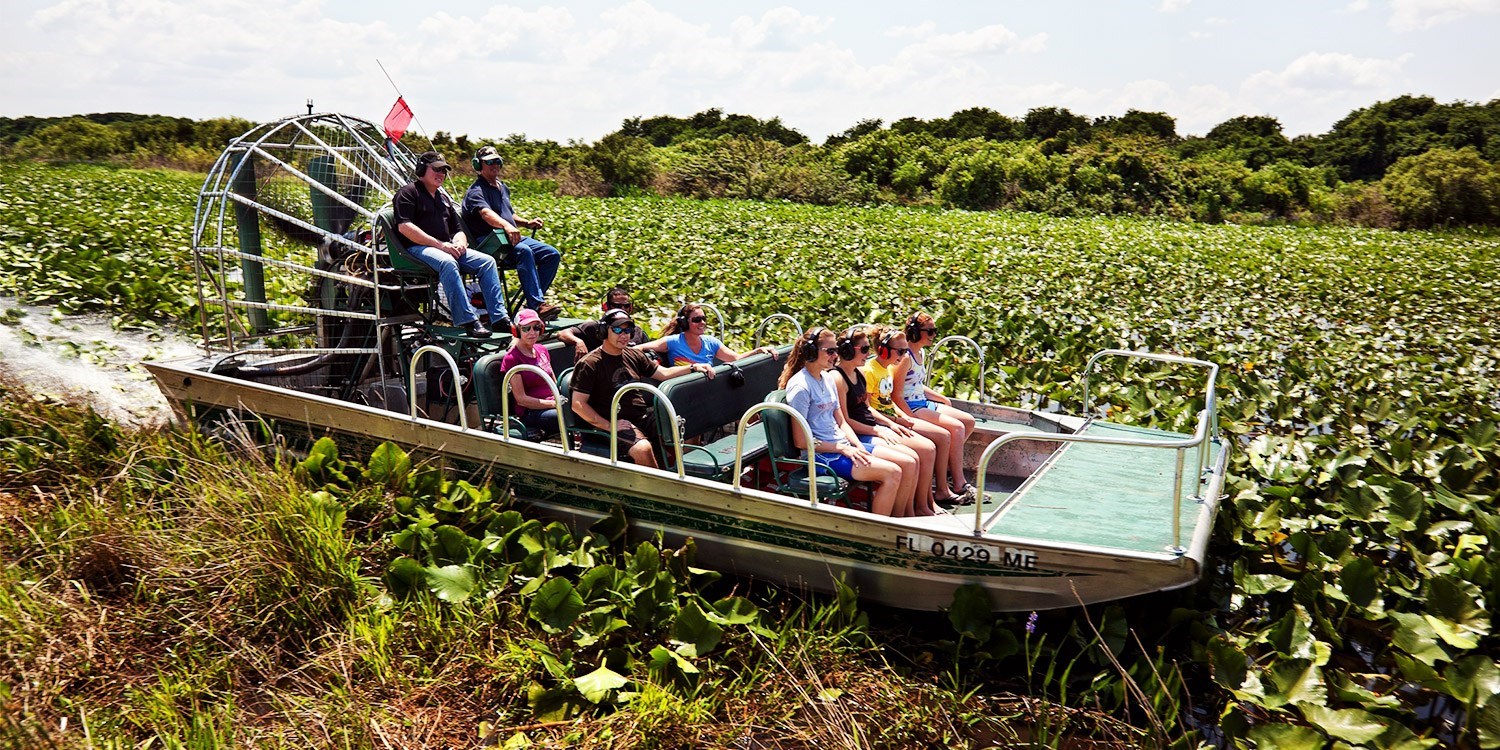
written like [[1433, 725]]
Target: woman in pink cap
[[535, 406]]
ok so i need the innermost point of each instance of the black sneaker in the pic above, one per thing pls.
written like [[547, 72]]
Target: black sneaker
[[476, 329]]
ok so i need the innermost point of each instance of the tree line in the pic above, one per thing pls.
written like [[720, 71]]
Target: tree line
[[1406, 162]]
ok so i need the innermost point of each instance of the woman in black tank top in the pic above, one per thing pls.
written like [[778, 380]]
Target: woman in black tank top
[[883, 437]]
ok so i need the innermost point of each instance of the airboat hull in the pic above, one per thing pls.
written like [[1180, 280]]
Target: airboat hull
[[907, 563]]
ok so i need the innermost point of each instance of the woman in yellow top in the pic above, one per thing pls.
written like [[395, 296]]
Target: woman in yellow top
[[882, 376]]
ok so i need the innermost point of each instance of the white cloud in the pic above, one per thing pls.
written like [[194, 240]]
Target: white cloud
[[986, 40], [1330, 71], [1416, 15], [778, 28], [1357, 6], [1172, 6]]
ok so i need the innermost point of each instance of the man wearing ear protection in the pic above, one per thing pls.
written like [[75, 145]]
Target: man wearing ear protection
[[495, 228], [432, 233]]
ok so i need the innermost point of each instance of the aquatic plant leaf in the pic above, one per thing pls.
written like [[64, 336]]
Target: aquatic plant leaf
[[1474, 679], [1229, 663], [596, 685], [612, 526], [388, 464], [404, 575], [1286, 737], [972, 614], [452, 546], [1358, 582], [1456, 602], [1416, 636], [1294, 681], [1487, 725], [1405, 506], [1348, 724], [451, 583], [734, 610], [665, 660], [556, 605], [692, 627]]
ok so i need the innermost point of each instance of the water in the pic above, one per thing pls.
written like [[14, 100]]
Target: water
[[80, 356]]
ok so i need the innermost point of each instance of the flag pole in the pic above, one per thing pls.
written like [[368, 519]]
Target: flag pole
[[399, 95]]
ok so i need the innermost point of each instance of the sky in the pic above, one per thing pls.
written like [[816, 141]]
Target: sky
[[575, 70]]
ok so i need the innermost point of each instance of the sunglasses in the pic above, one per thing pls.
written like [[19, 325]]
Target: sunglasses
[[493, 163], [862, 349], [697, 319], [532, 328], [928, 331], [627, 328], [626, 306], [902, 352], [831, 350], [443, 170]]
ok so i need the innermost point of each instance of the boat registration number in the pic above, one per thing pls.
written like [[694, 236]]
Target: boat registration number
[[967, 551]]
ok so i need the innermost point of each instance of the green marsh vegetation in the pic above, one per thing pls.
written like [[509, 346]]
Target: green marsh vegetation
[[1356, 553]]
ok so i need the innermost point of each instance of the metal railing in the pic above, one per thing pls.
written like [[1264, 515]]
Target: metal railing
[[562, 425], [755, 341], [458, 391], [662, 400], [739, 444], [1200, 437], [1210, 399], [971, 342]]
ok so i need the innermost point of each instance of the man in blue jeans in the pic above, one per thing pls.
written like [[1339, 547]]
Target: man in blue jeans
[[431, 232], [495, 227]]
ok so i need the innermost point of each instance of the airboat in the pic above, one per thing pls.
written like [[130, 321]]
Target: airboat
[[314, 324]]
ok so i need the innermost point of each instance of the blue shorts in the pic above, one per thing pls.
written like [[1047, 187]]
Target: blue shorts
[[868, 441], [920, 403], [841, 464]]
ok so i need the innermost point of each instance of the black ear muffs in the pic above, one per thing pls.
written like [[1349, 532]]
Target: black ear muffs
[[736, 376], [809, 347], [682, 319], [913, 327], [846, 344]]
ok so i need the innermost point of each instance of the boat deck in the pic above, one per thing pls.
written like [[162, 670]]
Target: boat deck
[[1111, 496]]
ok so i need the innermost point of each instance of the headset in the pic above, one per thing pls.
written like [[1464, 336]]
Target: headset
[[809, 347], [682, 317], [886, 339], [477, 164], [846, 342], [425, 160], [913, 328]]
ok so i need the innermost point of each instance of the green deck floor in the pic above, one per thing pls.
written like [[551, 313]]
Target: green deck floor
[[1108, 495]]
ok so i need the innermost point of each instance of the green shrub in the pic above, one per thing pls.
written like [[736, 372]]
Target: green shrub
[[75, 139], [1442, 187], [622, 160]]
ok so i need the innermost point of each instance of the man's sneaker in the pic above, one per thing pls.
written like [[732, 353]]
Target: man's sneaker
[[476, 329], [548, 312]]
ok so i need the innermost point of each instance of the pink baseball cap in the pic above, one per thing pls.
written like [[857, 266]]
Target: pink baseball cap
[[527, 315]]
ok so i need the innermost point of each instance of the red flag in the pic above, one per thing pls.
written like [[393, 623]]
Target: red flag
[[398, 119]]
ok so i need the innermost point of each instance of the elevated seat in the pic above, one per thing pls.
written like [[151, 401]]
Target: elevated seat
[[403, 263]]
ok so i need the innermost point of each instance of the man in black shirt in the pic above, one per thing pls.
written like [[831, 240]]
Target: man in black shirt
[[605, 370], [590, 334], [432, 233]]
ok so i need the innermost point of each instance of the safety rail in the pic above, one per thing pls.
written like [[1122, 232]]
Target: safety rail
[[458, 391], [614, 420], [1200, 437], [983, 399], [739, 444], [755, 340], [562, 425], [1210, 400]]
